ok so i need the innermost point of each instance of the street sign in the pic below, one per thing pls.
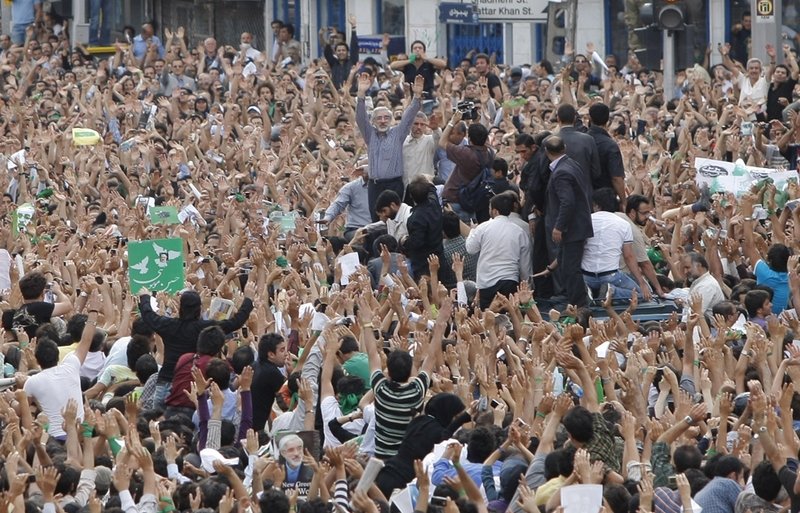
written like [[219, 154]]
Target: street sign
[[509, 11], [765, 11], [458, 14]]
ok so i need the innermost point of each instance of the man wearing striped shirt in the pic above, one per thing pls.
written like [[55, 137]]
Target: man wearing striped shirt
[[398, 396], [384, 143]]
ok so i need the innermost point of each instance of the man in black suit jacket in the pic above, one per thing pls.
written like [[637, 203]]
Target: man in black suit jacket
[[580, 147], [568, 219], [424, 227]]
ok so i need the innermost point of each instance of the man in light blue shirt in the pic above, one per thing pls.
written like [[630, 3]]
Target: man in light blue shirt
[[23, 14], [145, 39], [352, 197]]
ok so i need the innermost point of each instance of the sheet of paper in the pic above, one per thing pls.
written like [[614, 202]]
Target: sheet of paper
[[350, 264], [5, 270], [582, 498]]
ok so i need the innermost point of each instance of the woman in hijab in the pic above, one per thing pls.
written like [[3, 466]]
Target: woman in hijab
[[444, 414]]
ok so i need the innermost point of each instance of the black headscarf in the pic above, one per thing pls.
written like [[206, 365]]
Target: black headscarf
[[444, 408]]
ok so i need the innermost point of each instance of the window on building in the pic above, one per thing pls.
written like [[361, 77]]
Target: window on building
[[392, 17]]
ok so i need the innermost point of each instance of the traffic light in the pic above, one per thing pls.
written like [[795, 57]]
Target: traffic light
[[670, 14]]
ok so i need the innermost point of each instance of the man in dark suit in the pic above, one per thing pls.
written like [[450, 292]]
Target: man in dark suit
[[568, 219], [424, 227], [612, 170], [535, 174], [580, 147]]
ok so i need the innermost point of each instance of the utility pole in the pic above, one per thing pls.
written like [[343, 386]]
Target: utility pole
[[767, 23], [669, 64]]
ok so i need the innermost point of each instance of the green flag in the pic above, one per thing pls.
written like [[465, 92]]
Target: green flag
[[156, 265], [164, 215]]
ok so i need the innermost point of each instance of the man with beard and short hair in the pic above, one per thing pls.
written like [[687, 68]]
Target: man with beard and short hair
[[391, 210], [419, 148], [700, 281], [637, 211], [384, 142]]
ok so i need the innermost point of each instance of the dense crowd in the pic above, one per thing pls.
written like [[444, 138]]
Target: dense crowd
[[436, 273]]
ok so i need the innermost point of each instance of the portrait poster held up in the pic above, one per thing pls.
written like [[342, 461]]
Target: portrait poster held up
[[156, 265]]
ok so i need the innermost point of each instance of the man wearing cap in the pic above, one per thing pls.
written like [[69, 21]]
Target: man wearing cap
[[384, 143], [354, 199], [514, 80], [180, 334]]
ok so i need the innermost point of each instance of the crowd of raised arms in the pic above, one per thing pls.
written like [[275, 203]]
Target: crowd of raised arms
[[437, 275]]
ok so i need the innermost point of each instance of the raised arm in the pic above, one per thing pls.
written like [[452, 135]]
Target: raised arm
[[365, 317], [435, 347], [93, 308]]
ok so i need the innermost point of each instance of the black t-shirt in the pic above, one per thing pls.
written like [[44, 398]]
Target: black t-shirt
[[787, 479], [784, 90], [493, 81], [427, 71], [29, 316]]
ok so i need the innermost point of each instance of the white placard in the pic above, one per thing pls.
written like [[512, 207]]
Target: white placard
[[582, 498], [349, 264]]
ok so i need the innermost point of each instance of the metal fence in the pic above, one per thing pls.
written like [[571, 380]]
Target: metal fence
[[222, 19]]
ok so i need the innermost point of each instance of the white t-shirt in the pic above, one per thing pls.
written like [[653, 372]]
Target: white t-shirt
[[118, 354], [330, 410], [93, 365], [756, 93], [53, 388]]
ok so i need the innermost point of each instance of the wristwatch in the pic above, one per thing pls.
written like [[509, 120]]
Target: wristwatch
[[689, 420]]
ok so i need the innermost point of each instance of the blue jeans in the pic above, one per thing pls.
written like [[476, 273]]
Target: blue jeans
[[18, 33], [465, 216], [99, 30], [621, 283], [162, 391]]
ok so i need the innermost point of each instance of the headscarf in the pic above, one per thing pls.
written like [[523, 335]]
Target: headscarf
[[444, 408]]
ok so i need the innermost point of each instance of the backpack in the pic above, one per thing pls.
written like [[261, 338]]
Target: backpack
[[475, 194]]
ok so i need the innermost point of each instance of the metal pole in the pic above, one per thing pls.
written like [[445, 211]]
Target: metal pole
[[766, 30], [669, 65]]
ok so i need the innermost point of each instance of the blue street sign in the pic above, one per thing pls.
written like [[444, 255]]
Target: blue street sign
[[461, 14]]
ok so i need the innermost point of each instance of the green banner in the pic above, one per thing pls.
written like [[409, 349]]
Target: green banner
[[21, 217], [156, 265], [164, 215]]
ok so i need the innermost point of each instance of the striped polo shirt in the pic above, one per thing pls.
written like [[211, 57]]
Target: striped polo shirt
[[395, 405]]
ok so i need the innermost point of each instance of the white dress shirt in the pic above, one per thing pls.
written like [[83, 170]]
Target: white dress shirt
[[709, 289], [603, 251], [397, 227], [418, 155], [505, 251]]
